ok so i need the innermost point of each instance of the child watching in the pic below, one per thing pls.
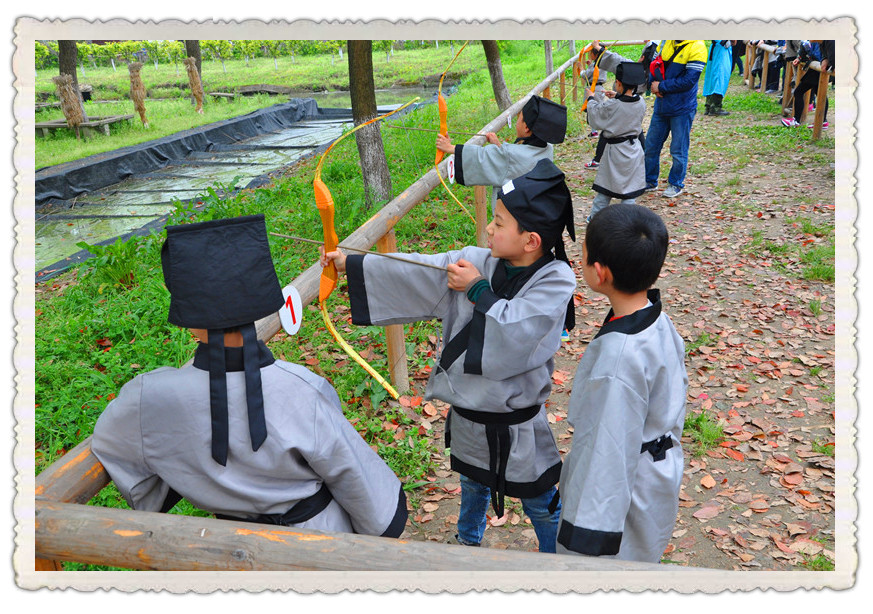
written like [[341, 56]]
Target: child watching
[[502, 315], [620, 482], [619, 114], [239, 433]]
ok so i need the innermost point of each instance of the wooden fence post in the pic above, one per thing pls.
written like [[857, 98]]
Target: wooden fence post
[[805, 106], [787, 90], [394, 332], [820, 104], [747, 73], [481, 195], [563, 96], [576, 72], [765, 68]]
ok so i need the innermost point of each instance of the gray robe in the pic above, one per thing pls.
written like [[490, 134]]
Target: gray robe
[[629, 389], [506, 368], [494, 165], [622, 172], [156, 436]]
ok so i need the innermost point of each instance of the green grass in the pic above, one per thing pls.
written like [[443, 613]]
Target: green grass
[[817, 563], [826, 448], [703, 339], [704, 430], [815, 307]]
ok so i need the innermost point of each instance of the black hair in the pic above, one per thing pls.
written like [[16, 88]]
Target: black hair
[[631, 241]]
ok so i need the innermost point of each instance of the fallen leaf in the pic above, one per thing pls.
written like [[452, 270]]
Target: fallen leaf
[[707, 513], [707, 481]]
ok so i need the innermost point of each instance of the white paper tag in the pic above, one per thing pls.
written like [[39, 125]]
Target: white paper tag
[[509, 121], [291, 313], [450, 165], [508, 187]]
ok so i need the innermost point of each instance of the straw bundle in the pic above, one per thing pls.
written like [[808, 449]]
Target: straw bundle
[[70, 104], [194, 80], [137, 91]]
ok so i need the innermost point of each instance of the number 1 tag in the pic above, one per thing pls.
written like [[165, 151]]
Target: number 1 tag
[[291, 313], [451, 169]]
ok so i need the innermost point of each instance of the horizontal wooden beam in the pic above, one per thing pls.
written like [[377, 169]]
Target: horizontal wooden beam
[[152, 541], [73, 478]]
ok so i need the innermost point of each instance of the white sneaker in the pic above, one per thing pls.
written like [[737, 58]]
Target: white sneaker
[[671, 192], [789, 122]]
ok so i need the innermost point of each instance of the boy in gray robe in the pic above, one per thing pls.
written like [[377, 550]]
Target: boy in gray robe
[[619, 114], [502, 311], [620, 481], [239, 433], [540, 124]]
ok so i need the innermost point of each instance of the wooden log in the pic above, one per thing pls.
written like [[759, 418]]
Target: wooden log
[[747, 71], [820, 105], [576, 71], [481, 196], [152, 541], [73, 478], [787, 90], [397, 366], [765, 68]]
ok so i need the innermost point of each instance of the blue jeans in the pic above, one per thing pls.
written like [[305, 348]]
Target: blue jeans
[[475, 499], [602, 200], [679, 126]]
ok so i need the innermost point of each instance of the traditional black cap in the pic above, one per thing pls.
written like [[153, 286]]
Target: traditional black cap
[[540, 202], [220, 276], [546, 119], [631, 73]]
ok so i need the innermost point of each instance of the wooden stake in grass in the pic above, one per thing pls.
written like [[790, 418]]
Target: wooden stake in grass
[[194, 80], [137, 91], [70, 104]]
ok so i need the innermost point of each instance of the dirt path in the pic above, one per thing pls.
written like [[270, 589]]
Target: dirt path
[[761, 352]]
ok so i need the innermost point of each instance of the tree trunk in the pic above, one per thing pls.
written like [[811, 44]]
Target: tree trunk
[[501, 94], [67, 64], [377, 179], [192, 50], [572, 47], [550, 64]]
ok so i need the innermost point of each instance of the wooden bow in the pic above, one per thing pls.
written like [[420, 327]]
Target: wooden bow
[[595, 74], [444, 130], [324, 202]]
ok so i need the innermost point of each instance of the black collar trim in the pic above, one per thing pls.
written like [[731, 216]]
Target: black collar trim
[[531, 140], [636, 322], [233, 357], [626, 98]]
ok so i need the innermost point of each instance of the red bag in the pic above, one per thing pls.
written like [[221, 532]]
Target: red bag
[[658, 67]]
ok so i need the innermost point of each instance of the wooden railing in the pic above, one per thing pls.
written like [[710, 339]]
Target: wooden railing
[[795, 74], [66, 529]]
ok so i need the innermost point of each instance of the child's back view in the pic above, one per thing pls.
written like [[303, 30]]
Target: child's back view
[[620, 481]]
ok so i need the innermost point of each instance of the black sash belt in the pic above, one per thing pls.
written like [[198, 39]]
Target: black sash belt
[[620, 139], [499, 440], [658, 447], [303, 510]]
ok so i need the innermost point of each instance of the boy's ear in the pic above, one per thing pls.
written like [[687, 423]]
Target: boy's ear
[[604, 275], [534, 242]]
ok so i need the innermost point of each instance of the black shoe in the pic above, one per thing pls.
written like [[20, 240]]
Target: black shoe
[[720, 112]]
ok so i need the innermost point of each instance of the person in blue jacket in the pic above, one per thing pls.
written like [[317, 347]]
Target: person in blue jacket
[[674, 82], [717, 76]]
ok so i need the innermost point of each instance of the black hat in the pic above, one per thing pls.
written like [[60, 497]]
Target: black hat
[[540, 201], [547, 120], [220, 276], [631, 73]]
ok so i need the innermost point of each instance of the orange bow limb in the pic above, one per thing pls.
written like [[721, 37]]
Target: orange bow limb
[[444, 122], [324, 202]]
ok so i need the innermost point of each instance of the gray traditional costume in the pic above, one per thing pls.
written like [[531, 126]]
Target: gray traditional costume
[[496, 363], [620, 482], [494, 165], [237, 432], [621, 173]]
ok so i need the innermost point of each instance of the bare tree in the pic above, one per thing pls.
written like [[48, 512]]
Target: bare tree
[[67, 63], [550, 63], [192, 50], [374, 165], [495, 68]]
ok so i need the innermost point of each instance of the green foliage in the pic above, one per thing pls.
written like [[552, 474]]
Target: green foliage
[[703, 339], [44, 57], [705, 431], [826, 448], [114, 264], [817, 563]]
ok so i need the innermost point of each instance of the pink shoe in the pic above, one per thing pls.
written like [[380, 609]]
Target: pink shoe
[[789, 122]]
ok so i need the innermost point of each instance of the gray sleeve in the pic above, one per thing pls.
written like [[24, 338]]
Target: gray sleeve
[[117, 444], [356, 476], [523, 333], [384, 291], [487, 165]]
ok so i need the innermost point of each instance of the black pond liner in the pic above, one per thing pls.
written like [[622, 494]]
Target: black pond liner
[[57, 185]]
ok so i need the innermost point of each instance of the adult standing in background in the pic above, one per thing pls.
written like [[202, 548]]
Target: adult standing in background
[[717, 77], [674, 75]]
